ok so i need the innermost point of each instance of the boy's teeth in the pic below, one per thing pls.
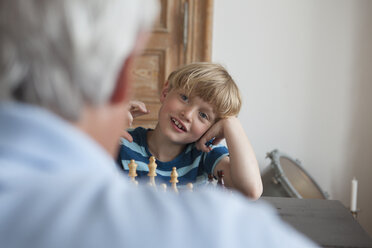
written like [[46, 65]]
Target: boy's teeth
[[177, 124]]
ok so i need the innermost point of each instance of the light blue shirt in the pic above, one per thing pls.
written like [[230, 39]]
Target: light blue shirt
[[58, 188]]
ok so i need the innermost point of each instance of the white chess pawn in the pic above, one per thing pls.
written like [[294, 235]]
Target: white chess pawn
[[174, 180], [163, 186], [190, 187], [152, 171], [132, 171]]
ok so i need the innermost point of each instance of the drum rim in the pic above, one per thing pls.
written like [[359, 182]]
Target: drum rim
[[280, 176]]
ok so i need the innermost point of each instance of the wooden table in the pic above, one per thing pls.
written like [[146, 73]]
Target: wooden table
[[326, 222]]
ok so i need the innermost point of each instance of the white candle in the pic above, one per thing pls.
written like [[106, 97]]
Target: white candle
[[354, 192]]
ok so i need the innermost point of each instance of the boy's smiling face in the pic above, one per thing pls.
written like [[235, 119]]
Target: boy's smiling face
[[182, 119]]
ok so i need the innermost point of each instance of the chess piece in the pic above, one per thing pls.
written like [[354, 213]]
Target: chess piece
[[210, 180], [163, 186], [220, 181], [152, 171], [174, 180], [132, 171], [190, 187]]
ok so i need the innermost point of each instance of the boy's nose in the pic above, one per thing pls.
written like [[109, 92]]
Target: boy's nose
[[187, 113]]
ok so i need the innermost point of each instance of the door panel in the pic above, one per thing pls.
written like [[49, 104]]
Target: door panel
[[181, 34]]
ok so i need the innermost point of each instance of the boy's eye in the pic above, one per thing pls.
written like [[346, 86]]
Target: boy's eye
[[203, 115], [184, 97]]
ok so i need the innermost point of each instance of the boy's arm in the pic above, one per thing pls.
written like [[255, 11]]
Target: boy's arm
[[240, 169]]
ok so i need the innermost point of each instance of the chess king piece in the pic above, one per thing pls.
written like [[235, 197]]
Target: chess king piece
[[174, 180], [152, 171], [133, 171]]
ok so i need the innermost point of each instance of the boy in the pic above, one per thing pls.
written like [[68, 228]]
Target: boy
[[200, 102]]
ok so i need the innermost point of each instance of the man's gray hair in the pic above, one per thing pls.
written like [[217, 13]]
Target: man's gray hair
[[63, 54]]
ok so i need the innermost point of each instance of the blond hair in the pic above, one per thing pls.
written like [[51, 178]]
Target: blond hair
[[212, 83]]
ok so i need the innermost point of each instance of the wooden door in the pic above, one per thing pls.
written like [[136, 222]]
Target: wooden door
[[182, 34]]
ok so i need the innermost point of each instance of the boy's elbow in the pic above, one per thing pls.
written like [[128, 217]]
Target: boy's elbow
[[253, 193], [257, 194]]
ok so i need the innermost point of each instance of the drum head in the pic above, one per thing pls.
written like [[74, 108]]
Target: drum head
[[292, 178]]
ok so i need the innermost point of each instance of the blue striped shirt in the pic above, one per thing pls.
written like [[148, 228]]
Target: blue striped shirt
[[192, 165]]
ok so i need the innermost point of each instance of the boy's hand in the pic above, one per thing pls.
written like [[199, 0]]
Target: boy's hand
[[136, 108], [215, 132]]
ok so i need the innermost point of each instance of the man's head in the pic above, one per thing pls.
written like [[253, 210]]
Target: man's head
[[72, 57], [212, 83], [66, 54]]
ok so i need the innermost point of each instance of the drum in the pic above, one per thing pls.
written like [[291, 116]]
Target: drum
[[285, 177]]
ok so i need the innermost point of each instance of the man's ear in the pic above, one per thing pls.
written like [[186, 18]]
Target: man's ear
[[123, 83], [164, 91]]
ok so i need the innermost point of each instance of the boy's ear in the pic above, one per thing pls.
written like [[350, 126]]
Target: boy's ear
[[164, 91]]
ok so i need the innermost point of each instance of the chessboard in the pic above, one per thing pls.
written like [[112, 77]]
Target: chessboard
[[212, 181]]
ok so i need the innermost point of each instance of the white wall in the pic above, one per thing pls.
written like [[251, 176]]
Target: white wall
[[305, 71]]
